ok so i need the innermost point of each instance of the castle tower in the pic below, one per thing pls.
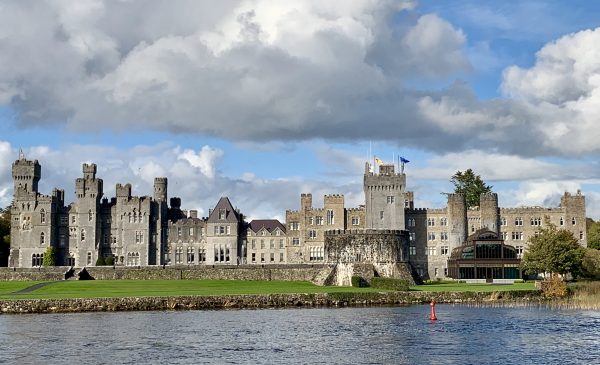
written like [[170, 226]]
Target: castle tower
[[305, 201], [160, 189], [574, 215], [490, 213], [26, 174], [88, 223], [457, 216], [384, 198]]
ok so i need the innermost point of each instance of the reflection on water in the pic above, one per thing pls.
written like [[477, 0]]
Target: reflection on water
[[398, 335]]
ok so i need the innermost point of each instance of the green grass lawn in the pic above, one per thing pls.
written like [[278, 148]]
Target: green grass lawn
[[13, 286], [463, 287], [135, 288]]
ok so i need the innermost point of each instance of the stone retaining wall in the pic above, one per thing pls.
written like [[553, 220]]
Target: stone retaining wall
[[258, 301], [312, 273]]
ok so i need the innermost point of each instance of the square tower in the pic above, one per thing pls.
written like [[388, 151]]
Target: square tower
[[384, 198]]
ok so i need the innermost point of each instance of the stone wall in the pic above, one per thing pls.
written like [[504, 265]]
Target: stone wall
[[313, 273], [260, 301], [366, 246]]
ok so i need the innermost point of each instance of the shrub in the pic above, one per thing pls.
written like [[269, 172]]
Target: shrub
[[49, 257], [359, 282], [390, 284], [100, 261], [554, 287], [108, 261]]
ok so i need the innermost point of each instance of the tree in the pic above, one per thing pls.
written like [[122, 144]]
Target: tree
[[4, 235], [593, 233], [471, 185], [554, 251], [49, 257], [591, 263]]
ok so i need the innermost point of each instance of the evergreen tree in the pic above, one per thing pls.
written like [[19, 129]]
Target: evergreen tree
[[553, 251], [471, 185], [49, 257]]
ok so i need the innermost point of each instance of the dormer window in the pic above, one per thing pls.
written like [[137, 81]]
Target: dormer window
[[222, 213]]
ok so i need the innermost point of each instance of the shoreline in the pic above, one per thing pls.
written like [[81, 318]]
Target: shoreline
[[262, 301]]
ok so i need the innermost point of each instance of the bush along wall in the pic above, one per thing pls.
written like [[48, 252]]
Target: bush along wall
[[359, 282], [389, 284]]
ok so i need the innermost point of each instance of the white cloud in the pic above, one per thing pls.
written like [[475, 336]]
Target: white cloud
[[204, 160]]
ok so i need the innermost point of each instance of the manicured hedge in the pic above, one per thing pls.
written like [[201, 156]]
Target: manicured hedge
[[390, 284], [359, 282]]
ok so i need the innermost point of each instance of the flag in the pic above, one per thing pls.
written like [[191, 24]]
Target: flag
[[403, 160], [378, 161]]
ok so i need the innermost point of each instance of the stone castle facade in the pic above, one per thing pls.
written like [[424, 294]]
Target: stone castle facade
[[144, 230]]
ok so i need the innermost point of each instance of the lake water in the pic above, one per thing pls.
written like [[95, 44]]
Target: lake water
[[388, 335]]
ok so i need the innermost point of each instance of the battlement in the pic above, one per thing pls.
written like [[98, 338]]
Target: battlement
[[427, 211], [123, 191], [355, 210], [333, 199], [530, 210], [334, 232]]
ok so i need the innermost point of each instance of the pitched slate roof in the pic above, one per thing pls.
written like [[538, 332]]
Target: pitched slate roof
[[231, 216], [269, 224]]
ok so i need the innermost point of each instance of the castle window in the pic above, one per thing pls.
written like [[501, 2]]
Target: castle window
[[330, 217], [312, 234], [272, 243], [316, 254], [113, 240], [411, 222], [228, 229], [503, 221], [272, 257], [444, 250], [90, 215], [62, 240], [254, 244], [412, 236], [64, 220], [573, 221], [518, 221], [319, 220], [504, 235], [406, 203], [381, 215], [519, 251], [296, 241], [72, 219], [263, 232], [311, 221], [580, 235], [430, 222], [277, 232], [222, 213], [281, 257], [443, 221], [430, 251], [536, 221], [281, 244], [42, 238], [139, 236], [294, 226], [355, 221], [412, 250], [253, 257], [89, 258], [37, 259], [190, 255], [179, 255], [262, 244], [431, 236], [517, 236], [561, 222], [83, 235], [444, 236], [43, 216], [436, 271], [262, 257], [390, 199]]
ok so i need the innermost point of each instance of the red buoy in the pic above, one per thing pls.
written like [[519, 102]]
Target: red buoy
[[432, 315]]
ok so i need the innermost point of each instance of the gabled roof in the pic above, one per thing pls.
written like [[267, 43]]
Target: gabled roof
[[231, 216], [269, 224]]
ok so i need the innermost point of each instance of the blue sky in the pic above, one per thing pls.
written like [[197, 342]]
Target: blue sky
[[261, 101]]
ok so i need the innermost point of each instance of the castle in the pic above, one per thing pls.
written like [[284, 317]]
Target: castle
[[144, 230]]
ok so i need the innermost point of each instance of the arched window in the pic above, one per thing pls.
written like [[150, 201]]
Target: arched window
[[83, 234], [42, 238], [43, 216]]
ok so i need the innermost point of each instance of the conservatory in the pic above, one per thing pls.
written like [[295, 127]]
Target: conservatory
[[484, 256]]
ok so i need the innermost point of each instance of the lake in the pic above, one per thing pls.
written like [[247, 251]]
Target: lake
[[377, 335]]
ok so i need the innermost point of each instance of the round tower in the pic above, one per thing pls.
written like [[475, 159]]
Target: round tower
[[160, 189], [457, 215], [490, 214]]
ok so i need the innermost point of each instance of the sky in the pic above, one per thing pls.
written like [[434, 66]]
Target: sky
[[263, 100]]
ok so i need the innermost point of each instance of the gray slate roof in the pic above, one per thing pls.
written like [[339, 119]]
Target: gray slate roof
[[231, 216]]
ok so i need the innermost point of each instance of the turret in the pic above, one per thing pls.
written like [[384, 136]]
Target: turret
[[160, 189], [490, 214], [123, 191], [26, 175], [457, 214], [305, 201]]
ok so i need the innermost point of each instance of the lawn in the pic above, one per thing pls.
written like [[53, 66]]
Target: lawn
[[138, 288], [463, 287], [13, 286]]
